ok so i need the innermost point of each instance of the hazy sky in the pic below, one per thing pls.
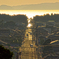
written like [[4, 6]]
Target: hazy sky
[[25, 2]]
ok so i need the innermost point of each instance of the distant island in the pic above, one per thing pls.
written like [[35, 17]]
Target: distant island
[[42, 6]]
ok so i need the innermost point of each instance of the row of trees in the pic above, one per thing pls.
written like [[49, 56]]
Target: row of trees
[[15, 18], [12, 21], [23, 18], [46, 18]]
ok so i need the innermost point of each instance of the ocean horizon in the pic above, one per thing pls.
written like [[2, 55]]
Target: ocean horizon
[[29, 13]]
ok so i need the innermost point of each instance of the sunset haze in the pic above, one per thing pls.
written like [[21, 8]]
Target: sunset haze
[[25, 2]]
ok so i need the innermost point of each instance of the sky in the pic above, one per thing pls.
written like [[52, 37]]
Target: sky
[[25, 2]]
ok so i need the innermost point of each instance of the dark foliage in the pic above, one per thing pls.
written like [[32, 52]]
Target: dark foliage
[[5, 53], [9, 24], [18, 19], [47, 42], [46, 18]]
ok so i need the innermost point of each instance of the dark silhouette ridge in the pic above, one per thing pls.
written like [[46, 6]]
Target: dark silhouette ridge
[[5, 53]]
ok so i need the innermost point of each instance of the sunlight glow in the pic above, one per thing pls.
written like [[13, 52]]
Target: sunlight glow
[[29, 25], [28, 21], [29, 13]]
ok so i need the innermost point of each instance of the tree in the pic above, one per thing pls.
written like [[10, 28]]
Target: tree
[[5, 53]]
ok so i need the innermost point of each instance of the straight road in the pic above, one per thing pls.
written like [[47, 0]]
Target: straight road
[[27, 47]]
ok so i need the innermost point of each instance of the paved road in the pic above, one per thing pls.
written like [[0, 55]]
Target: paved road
[[27, 50], [28, 39]]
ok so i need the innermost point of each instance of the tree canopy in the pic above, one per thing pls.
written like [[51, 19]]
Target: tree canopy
[[46, 18], [5, 53]]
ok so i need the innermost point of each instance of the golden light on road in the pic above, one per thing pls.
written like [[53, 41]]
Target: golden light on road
[[29, 25], [28, 21]]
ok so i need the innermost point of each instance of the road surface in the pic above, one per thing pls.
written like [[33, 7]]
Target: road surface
[[28, 46]]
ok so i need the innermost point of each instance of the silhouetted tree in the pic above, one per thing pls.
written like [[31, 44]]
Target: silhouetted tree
[[5, 53]]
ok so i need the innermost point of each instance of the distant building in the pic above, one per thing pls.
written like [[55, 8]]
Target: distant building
[[41, 34], [41, 39], [55, 46], [53, 37], [50, 23], [51, 57], [4, 32], [40, 31], [48, 29]]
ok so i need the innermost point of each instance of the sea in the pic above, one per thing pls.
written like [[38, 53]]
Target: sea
[[29, 13]]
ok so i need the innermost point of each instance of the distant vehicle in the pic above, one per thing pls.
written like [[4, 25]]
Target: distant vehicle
[[27, 34], [30, 33]]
